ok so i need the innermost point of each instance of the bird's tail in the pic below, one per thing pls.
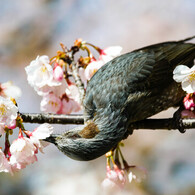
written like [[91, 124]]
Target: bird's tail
[[187, 39]]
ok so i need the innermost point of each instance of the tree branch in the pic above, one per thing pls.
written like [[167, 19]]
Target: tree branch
[[153, 124], [52, 118]]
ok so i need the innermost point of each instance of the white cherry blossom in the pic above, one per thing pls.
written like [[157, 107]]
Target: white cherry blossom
[[109, 53], [40, 74], [8, 90], [41, 132], [69, 106], [92, 68], [50, 103], [186, 76], [58, 73], [8, 113], [4, 163], [73, 92], [22, 153]]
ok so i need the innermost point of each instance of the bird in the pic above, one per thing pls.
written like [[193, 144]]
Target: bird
[[127, 89]]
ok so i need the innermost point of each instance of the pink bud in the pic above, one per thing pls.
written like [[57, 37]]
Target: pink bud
[[12, 125], [58, 73], [189, 102]]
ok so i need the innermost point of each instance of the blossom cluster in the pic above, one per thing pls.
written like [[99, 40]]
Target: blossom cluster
[[49, 83], [117, 177], [52, 80], [8, 110], [23, 150]]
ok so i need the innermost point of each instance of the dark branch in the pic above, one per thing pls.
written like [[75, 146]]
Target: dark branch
[[52, 118], [164, 124]]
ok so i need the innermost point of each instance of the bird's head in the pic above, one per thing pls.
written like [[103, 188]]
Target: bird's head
[[85, 143]]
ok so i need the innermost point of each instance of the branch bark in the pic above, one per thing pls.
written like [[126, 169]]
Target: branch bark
[[151, 124], [78, 82]]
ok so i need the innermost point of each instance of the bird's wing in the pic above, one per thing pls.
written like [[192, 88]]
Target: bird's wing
[[133, 77]]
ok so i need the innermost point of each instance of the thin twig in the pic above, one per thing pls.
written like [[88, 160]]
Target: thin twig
[[78, 82]]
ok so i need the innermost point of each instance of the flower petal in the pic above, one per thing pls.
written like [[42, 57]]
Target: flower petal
[[186, 86]]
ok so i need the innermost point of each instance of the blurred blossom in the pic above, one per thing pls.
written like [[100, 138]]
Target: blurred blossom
[[8, 114], [50, 103], [4, 164], [108, 183], [136, 173], [114, 177], [186, 76], [187, 114], [9, 90]]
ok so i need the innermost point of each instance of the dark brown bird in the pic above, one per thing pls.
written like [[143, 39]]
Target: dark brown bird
[[129, 88]]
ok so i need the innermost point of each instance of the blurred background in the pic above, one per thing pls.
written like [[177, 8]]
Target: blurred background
[[36, 27]]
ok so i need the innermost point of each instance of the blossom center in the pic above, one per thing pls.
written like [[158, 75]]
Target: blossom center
[[3, 109], [55, 104], [43, 68], [191, 77]]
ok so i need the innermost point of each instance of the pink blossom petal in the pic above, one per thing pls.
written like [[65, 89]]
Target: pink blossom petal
[[186, 86], [92, 68], [58, 73], [4, 164], [50, 103]]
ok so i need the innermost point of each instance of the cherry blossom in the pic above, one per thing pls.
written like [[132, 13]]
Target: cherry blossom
[[187, 114], [41, 132], [106, 55], [109, 53], [136, 173], [114, 177], [60, 89], [8, 113], [40, 74], [92, 68], [186, 76], [8, 90], [22, 152], [58, 73], [108, 183], [69, 106], [189, 101], [73, 92], [50, 103], [4, 163]]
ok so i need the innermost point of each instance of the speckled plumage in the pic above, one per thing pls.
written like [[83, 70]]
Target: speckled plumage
[[131, 87]]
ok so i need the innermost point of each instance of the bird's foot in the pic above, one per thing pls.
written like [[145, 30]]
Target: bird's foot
[[178, 120]]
